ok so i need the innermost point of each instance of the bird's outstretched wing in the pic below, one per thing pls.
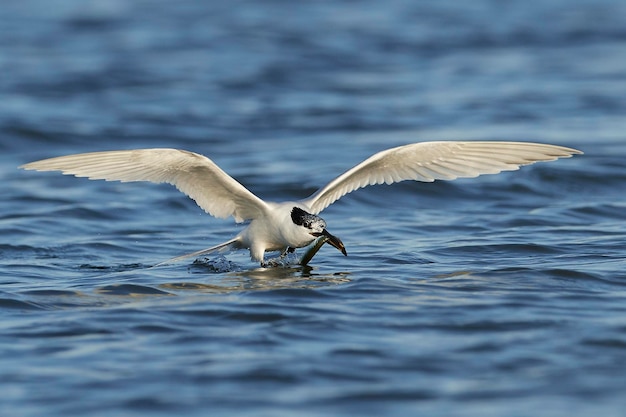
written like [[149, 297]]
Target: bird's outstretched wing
[[430, 161], [193, 174]]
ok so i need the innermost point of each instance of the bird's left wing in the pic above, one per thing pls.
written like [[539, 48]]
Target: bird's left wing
[[195, 175], [430, 161]]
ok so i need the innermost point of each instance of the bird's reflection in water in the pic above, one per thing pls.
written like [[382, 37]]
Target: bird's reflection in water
[[229, 276]]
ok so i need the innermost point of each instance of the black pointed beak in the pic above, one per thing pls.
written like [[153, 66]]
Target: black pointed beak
[[333, 241]]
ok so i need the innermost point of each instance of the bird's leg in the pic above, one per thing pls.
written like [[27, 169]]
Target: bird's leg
[[287, 251], [274, 262]]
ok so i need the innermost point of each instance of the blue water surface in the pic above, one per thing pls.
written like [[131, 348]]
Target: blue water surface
[[497, 296]]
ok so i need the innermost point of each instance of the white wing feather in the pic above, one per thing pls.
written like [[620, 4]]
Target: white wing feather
[[193, 174], [430, 161]]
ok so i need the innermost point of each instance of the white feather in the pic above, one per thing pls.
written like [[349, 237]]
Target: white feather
[[271, 227], [193, 174], [430, 161]]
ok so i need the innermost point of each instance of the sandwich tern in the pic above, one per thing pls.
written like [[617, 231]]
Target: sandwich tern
[[296, 224]]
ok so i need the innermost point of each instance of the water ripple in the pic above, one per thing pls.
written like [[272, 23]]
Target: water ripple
[[499, 295]]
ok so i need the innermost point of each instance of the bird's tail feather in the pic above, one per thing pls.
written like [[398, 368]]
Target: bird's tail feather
[[234, 243]]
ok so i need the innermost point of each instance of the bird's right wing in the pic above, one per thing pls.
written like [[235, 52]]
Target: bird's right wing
[[430, 161], [193, 174]]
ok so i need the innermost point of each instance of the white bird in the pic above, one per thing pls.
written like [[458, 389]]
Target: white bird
[[295, 224]]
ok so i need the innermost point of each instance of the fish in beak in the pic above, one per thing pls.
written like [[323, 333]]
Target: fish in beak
[[333, 241]]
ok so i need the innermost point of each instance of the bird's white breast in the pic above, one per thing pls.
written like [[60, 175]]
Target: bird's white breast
[[276, 230]]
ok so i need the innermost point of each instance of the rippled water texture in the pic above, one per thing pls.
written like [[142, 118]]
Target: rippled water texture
[[498, 296]]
